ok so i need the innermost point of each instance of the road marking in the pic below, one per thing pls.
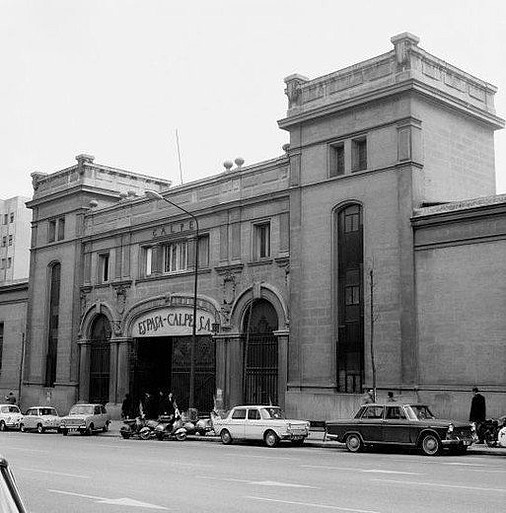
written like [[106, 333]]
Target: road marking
[[257, 483], [372, 471], [55, 473], [123, 501], [440, 485], [312, 505], [27, 450], [464, 464], [264, 457]]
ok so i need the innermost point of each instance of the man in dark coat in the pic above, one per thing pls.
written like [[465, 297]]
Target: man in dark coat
[[11, 398], [478, 412]]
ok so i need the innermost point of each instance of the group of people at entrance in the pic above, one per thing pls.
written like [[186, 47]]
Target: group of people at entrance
[[149, 406]]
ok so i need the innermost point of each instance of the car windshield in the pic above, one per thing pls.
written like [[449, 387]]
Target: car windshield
[[81, 410], [422, 411], [10, 409], [272, 413], [48, 411]]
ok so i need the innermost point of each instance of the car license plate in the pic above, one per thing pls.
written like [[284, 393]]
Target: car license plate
[[72, 429], [296, 437]]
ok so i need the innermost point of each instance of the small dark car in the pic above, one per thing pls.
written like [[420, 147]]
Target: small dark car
[[408, 425]]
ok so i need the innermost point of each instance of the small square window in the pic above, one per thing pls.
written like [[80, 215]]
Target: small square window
[[336, 160], [359, 154]]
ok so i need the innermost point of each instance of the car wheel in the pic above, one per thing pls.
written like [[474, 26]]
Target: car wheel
[[64, 432], [89, 430], [40, 429], [226, 437], [22, 428], [431, 446], [298, 443], [125, 434], [354, 443], [271, 439], [2, 425]]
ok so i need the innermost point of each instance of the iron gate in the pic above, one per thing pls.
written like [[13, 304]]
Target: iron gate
[[100, 360], [205, 372], [260, 368]]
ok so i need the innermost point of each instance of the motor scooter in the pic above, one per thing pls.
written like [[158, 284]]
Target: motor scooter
[[138, 428], [170, 427], [490, 430]]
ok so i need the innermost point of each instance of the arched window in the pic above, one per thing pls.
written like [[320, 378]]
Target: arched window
[[99, 360], [54, 312], [260, 354], [350, 299]]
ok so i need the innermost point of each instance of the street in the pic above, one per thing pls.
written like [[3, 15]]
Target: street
[[108, 474]]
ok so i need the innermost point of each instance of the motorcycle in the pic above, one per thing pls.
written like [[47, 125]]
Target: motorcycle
[[169, 427], [490, 431], [138, 428]]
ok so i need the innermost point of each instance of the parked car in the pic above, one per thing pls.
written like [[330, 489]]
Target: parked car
[[40, 418], [10, 416], [266, 423], [10, 500], [408, 425], [85, 419]]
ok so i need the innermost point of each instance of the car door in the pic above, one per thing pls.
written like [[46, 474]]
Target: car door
[[253, 425], [29, 420], [396, 426], [371, 424], [98, 418], [236, 422]]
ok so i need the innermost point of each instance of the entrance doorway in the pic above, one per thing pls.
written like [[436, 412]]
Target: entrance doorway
[[163, 363], [260, 354], [100, 360]]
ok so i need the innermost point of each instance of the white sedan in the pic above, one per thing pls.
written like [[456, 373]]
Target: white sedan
[[40, 418], [266, 423]]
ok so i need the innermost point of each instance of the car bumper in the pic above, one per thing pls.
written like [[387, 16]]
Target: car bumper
[[457, 442]]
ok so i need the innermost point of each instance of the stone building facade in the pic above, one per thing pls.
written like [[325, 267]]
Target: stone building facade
[[357, 242]]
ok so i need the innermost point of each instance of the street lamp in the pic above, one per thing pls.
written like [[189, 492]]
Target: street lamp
[[158, 196]]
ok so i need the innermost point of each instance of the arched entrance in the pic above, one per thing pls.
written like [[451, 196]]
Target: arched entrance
[[99, 360], [260, 353]]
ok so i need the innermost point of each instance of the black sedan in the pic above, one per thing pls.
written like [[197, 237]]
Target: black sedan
[[408, 425]]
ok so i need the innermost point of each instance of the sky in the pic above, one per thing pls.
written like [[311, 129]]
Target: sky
[[117, 78]]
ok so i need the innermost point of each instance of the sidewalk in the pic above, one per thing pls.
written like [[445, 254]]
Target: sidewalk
[[316, 439]]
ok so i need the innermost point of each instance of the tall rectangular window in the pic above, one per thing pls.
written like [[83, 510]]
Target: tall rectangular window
[[9, 262], [6, 217], [10, 240], [2, 263], [204, 251], [337, 160], [175, 257], [51, 230], [61, 228], [262, 241], [54, 316], [1, 342], [4, 241], [103, 267], [359, 154], [12, 217], [148, 261]]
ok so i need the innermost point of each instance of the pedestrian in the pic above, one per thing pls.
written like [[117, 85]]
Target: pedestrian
[[11, 398], [478, 412], [391, 398], [147, 406], [127, 407], [368, 396]]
